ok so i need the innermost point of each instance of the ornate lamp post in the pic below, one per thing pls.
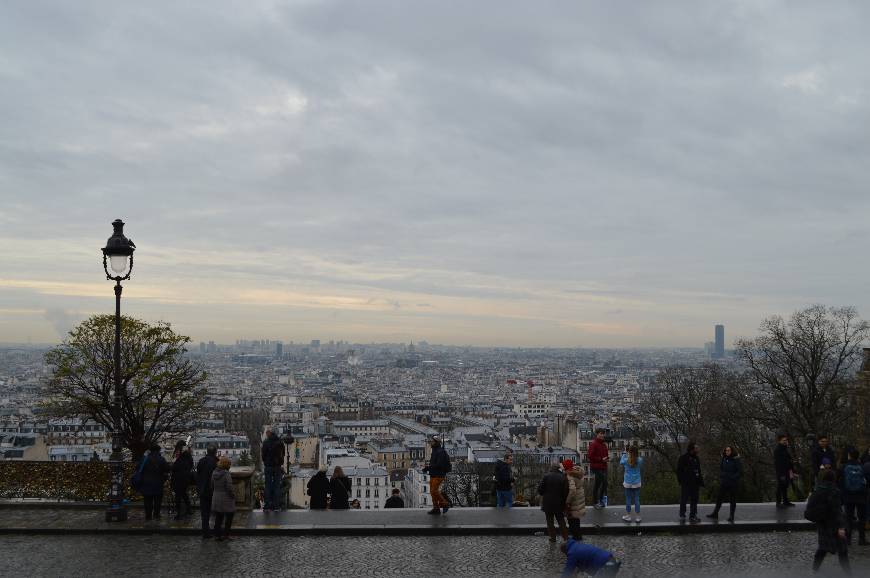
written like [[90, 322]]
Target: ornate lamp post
[[117, 256]]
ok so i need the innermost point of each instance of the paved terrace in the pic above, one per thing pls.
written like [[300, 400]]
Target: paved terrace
[[756, 555], [48, 518]]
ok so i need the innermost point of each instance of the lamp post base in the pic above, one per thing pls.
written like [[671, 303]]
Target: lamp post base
[[116, 514]]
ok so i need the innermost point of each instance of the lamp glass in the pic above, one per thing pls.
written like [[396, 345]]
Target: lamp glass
[[118, 263]]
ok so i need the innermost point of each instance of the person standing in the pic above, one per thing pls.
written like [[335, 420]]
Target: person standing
[[438, 468], [730, 472], [339, 490], [824, 455], [575, 503], [395, 501], [553, 490], [588, 559], [853, 485], [691, 481], [631, 481], [272, 454], [784, 465], [153, 478], [205, 467], [504, 482], [599, 456], [182, 477], [823, 508], [223, 501], [318, 490]]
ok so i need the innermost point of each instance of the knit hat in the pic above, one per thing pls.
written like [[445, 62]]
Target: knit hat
[[568, 465]]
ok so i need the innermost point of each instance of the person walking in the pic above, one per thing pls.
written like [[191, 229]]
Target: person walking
[[575, 503], [339, 490], [853, 485], [223, 500], [318, 490], [205, 467], [823, 455], [272, 454], [691, 481], [553, 490], [631, 481], [438, 468], [504, 482], [182, 478], [588, 559], [823, 508], [395, 501], [599, 456], [784, 465], [153, 478], [730, 472]]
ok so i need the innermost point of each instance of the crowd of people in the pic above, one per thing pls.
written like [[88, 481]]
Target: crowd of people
[[838, 503]]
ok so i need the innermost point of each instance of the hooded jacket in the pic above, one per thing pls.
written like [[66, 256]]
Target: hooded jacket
[[223, 497], [272, 451], [597, 452], [575, 503], [730, 471]]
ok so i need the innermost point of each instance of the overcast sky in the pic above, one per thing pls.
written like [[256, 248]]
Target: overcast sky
[[489, 173]]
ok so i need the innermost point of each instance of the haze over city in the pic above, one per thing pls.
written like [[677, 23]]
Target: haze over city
[[493, 174]]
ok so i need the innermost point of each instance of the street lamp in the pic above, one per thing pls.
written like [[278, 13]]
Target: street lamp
[[117, 256]]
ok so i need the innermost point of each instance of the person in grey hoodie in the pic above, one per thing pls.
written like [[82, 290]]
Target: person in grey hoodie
[[223, 500]]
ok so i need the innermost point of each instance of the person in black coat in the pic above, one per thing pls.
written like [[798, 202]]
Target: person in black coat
[[438, 468], [553, 490], [339, 489], [831, 527], [182, 477], [504, 482], [784, 466], [691, 481], [318, 489], [730, 472], [395, 501], [153, 477], [204, 469], [823, 454]]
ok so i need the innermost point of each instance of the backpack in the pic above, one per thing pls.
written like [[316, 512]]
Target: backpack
[[136, 480], [853, 479], [818, 507]]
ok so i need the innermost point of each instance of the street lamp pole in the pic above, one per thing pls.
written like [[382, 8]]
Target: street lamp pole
[[117, 255]]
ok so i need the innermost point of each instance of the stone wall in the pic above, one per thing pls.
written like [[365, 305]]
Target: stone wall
[[61, 481]]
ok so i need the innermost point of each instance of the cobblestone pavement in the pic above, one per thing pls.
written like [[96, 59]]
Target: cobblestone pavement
[[758, 555]]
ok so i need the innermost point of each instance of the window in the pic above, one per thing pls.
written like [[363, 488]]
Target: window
[[367, 493], [368, 481], [377, 493], [377, 481], [358, 493]]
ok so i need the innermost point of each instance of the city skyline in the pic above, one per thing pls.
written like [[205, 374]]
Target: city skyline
[[493, 175]]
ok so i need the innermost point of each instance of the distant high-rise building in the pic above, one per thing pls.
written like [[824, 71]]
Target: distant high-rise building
[[202, 346], [279, 350], [212, 347], [719, 344], [315, 345]]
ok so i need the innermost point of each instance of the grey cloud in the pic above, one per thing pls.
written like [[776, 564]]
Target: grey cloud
[[655, 146]]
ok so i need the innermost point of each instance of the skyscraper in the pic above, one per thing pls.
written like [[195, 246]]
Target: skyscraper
[[279, 350], [719, 346]]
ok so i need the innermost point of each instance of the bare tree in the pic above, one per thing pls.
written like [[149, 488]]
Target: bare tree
[[802, 369], [163, 387]]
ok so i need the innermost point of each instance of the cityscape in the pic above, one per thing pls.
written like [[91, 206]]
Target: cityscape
[[295, 287]]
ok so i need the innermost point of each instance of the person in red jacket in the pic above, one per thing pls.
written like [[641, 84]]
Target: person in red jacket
[[599, 456]]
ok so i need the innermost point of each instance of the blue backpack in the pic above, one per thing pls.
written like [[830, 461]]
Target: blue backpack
[[853, 479]]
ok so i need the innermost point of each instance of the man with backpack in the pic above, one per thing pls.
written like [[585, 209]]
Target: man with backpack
[[823, 508], [272, 454], [853, 485], [205, 467]]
